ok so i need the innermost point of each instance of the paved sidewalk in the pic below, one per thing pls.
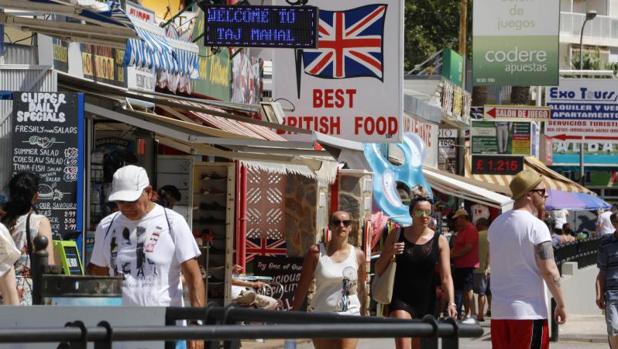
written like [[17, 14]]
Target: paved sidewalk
[[584, 328], [578, 329]]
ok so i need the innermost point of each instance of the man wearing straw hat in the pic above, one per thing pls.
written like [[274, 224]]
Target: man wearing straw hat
[[521, 258]]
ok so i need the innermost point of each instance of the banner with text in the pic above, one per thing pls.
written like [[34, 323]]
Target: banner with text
[[448, 154], [515, 42], [352, 85], [583, 107]]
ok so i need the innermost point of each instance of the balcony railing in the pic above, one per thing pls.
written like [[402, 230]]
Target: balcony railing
[[600, 28]]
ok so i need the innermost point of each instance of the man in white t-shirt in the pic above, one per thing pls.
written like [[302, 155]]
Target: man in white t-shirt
[[604, 223], [147, 244], [521, 258]]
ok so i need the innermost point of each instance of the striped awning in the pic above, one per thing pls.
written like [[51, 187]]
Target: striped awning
[[553, 180], [233, 126], [155, 50]]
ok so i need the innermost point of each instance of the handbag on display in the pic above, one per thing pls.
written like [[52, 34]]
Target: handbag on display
[[382, 285]]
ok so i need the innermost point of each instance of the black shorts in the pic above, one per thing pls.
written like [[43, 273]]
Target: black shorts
[[463, 279], [481, 284]]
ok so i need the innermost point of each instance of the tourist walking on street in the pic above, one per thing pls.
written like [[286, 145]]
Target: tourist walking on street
[[417, 250], [481, 274], [25, 224], [607, 281], [147, 244], [10, 254], [465, 256], [521, 257], [340, 275]]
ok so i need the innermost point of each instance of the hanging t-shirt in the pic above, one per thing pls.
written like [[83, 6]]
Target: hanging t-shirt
[[560, 217], [147, 254], [517, 287], [604, 224], [479, 211]]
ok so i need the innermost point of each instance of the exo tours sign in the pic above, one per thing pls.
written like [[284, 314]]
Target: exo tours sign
[[515, 42], [351, 86]]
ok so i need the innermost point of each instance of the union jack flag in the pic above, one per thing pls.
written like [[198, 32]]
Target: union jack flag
[[350, 44], [265, 247]]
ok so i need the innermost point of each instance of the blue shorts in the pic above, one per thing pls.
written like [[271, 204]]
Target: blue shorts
[[611, 316]]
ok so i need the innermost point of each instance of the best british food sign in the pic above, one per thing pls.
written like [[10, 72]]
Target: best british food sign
[[351, 86], [516, 42]]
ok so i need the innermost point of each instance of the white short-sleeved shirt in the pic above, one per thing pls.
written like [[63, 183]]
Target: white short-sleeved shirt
[[147, 255], [560, 217], [517, 287], [604, 223]]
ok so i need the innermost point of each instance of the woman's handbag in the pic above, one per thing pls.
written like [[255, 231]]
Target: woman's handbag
[[382, 285]]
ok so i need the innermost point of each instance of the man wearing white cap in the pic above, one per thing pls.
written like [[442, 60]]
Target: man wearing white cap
[[147, 244], [521, 258]]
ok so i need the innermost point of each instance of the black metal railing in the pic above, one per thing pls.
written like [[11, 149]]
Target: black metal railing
[[223, 324], [584, 252]]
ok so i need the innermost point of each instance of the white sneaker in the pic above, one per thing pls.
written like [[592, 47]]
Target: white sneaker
[[469, 321]]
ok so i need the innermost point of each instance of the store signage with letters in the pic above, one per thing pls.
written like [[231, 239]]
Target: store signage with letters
[[352, 85], [261, 26], [516, 113], [215, 68], [515, 42]]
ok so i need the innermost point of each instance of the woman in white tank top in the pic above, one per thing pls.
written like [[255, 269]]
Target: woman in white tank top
[[340, 276]]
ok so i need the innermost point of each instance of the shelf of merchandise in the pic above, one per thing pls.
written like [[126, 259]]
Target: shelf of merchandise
[[217, 177]]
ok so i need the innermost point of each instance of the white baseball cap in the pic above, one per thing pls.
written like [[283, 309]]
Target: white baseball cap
[[129, 183]]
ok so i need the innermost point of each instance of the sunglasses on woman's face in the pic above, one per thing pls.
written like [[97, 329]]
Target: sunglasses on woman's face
[[337, 222], [422, 213]]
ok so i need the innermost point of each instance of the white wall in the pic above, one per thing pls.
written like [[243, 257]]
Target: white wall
[[578, 291]]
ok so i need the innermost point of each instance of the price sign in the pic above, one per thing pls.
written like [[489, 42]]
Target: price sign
[[496, 164], [261, 26]]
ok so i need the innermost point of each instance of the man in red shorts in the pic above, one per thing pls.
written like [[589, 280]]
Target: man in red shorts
[[521, 258]]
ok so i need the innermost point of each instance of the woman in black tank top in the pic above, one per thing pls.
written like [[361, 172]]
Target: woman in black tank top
[[417, 250]]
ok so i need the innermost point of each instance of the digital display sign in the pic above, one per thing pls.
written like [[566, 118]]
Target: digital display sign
[[260, 26], [496, 164]]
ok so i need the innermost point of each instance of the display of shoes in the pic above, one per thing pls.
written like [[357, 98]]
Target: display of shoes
[[213, 206], [211, 220], [212, 176], [212, 191]]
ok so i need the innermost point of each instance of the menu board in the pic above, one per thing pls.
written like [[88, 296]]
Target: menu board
[[48, 141]]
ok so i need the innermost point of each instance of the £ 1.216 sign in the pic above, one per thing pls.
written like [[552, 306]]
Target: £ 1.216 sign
[[351, 85]]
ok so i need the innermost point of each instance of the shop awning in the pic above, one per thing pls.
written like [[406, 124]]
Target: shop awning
[[153, 49], [464, 188], [100, 89], [553, 180], [101, 27]]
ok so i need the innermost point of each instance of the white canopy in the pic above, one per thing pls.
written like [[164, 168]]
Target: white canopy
[[463, 189]]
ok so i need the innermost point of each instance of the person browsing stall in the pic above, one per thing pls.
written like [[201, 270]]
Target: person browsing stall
[[417, 250], [147, 244], [340, 275]]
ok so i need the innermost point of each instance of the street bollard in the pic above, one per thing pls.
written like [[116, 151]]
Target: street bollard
[[38, 265]]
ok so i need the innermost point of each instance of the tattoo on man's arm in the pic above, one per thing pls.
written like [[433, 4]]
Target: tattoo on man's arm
[[544, 250]]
